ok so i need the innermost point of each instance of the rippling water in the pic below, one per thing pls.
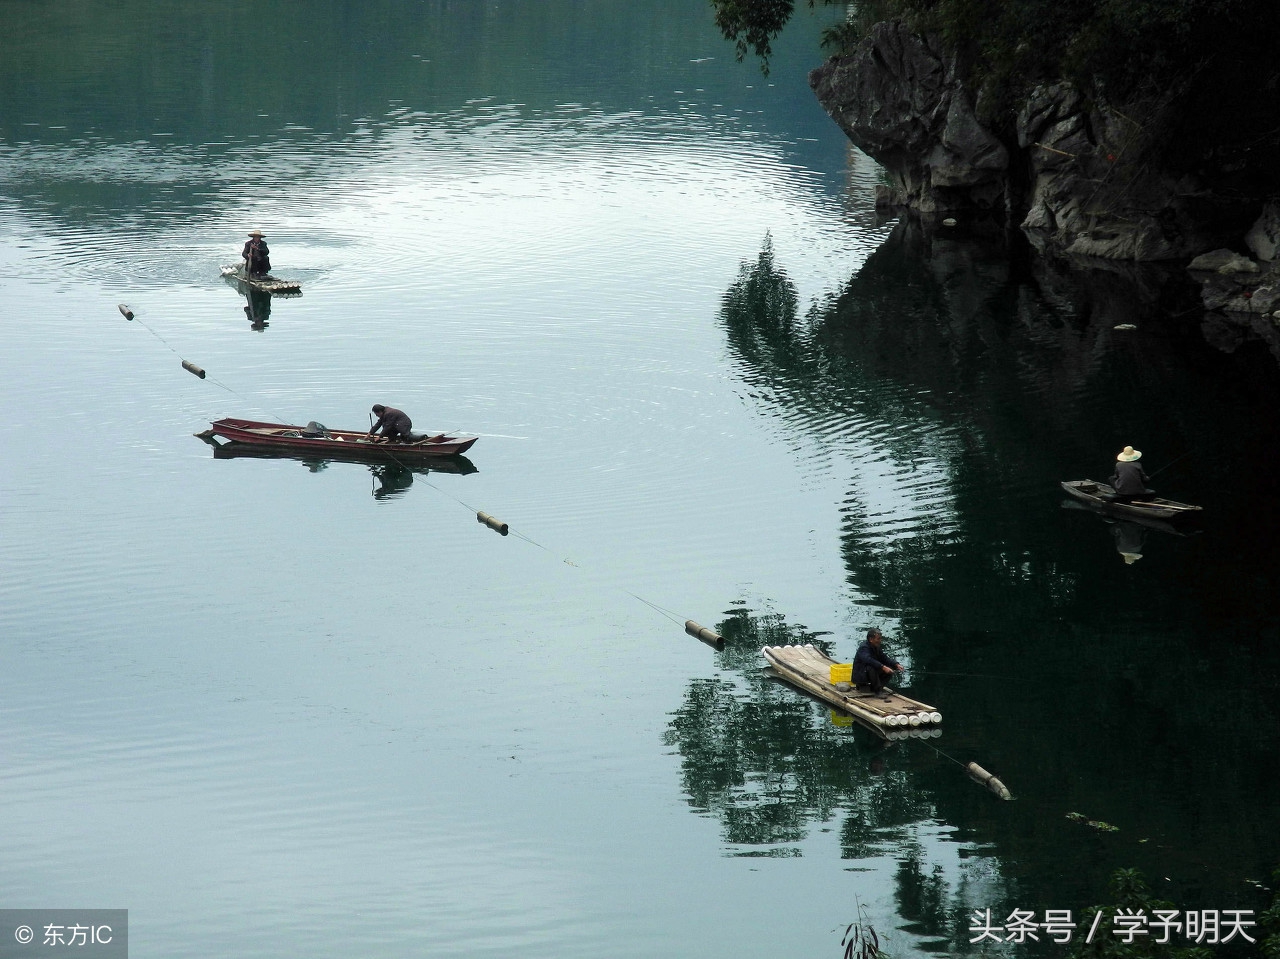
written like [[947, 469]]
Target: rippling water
[[281, 707]]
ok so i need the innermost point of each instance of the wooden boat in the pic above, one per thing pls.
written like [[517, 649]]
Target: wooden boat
[[1146, 522], [457, 464], [1101, 496], [267, 283], [890, 714], [338, 444]]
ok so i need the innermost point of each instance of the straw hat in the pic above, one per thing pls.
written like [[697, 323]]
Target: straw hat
[[256, 233], [1128, 455], [1131, 558]]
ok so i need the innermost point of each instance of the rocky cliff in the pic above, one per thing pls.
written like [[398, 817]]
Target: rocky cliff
[[1078, 175]]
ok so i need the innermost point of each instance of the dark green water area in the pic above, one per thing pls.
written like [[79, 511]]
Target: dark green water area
[[288, 706]]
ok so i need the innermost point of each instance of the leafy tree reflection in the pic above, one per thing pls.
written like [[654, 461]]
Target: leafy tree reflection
[[975, 382], [770, 763]]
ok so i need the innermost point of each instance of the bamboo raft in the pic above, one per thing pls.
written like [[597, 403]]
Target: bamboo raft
[[267, 283], [889, 713]]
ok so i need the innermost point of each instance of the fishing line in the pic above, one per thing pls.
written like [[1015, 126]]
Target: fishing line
[[1178, 460], [130, 315], [946, 756], [669, 614]]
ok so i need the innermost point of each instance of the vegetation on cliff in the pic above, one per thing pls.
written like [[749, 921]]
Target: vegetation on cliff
[[1210, 60]]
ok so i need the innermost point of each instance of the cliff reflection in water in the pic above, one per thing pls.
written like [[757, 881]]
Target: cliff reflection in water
[[960, 386]]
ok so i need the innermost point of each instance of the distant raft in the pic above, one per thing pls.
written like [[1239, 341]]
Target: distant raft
[[266, 283], [889, 713]]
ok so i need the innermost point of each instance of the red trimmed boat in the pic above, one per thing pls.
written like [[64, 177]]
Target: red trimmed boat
[[317, 439]]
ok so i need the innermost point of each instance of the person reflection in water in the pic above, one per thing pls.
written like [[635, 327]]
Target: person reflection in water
[[1129, 539], [256, 256], [258, 309], [393, 478], [1129, 480], [395, 425], [872, 665]]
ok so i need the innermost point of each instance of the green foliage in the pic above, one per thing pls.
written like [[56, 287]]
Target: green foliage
[[1208, 53], [1128, 891], [753, 25], [1269, 922]]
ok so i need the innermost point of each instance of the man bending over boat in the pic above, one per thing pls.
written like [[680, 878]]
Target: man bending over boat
[[395, 425], [872, 665], [1129, 481], [256, 256]]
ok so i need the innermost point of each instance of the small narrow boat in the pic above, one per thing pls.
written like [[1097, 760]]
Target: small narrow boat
[[338, 444], [890, 714], [457, 464], [1146, 522], [267, 283], [1103, 497]]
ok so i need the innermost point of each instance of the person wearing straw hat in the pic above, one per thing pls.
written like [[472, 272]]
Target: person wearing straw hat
[[256, 256], [1129, 480]]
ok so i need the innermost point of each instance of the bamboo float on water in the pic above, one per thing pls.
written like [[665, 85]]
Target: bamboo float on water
[[984, 778], [493, 523], [192, 368], [708, 636]]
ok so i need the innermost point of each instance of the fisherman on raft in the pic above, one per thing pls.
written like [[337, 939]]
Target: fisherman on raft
[[395, 425], [1129, 480], [872, 665], [256, 256]]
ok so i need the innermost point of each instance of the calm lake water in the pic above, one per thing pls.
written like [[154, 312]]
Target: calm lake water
[[279, 708]]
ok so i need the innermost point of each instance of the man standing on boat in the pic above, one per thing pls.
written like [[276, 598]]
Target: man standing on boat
[[872, 665], [256, 256], [395, 425], [1129, 480]]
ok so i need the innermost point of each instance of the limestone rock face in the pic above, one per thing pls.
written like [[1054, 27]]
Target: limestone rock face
[[1081, 176], [1095, 188], [899, 101], [1223, 261], [1263, 237]]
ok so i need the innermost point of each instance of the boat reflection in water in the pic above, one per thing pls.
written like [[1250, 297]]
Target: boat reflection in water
[[257, 308], [1130, 532], [392, 479]]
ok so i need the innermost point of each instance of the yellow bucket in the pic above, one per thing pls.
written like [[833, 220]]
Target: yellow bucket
[[841, 719], [841, 673]]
